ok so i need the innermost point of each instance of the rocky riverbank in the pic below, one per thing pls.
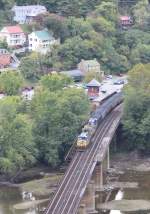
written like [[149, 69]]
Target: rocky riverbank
[[130, 161]]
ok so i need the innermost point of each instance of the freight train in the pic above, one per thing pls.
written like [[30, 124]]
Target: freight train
[[98, 115]]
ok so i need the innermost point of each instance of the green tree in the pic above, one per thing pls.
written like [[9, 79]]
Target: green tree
[[3, 44], [11, 82], [92, 75], [55, 82], [141, 13], [58, 115], [136, 108], [35, 65], [17, 149], [108, 10]]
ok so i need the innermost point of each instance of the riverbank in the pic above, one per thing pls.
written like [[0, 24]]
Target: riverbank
[[42, 181], [42, 188], [130, 161]]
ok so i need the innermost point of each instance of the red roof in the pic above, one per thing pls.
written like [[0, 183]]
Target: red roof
[[125, 18], [5, 59], [14, 29]]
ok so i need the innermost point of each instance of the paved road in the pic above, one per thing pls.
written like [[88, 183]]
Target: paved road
[[70, 191]]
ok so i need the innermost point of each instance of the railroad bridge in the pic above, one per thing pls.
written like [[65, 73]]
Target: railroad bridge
[[70, 197]]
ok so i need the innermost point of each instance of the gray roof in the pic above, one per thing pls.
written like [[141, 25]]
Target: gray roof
[[73, 73], [93, 82]]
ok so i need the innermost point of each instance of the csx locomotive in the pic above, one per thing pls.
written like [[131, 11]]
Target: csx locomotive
[[97, 116]]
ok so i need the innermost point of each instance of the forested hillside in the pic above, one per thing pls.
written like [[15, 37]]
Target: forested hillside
[[91, 29], [42, 130]]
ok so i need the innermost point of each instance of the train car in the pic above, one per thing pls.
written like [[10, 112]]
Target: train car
[[100, 113]]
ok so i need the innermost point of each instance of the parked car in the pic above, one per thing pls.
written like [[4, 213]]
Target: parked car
[[119, 82], [109, 76]]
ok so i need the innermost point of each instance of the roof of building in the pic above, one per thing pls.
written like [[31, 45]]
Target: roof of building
[[93, 83], [43, 35], [14, 29], [5, 59], [125, 18], [29, 7], [73, 73]]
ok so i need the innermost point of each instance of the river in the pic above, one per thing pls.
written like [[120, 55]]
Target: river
[[9, 196]]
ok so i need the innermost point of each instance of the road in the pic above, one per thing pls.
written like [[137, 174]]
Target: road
[[71, 189]]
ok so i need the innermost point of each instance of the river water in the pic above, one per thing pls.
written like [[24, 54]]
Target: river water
[[10, 196]]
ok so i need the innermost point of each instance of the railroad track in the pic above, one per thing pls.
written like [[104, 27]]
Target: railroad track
[[71, 189]]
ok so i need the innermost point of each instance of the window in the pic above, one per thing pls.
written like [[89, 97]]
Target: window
[[30, 39]]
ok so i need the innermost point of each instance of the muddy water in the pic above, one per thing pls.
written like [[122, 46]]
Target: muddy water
[[10, 196], [142, 192]]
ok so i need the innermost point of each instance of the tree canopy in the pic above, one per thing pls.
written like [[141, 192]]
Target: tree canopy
[[136, 111]]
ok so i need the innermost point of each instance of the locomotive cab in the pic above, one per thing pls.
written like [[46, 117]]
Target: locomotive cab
[[82, 141]]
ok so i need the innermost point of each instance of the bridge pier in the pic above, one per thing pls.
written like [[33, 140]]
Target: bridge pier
[[89, 199], [98, 176], [82, 209]]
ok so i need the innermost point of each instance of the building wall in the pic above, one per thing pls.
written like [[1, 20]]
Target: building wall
[[13, 39], [21, 12], [35, 44], [93, 91], [85, 67]]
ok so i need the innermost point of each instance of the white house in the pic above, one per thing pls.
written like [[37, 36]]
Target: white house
[[25, 14], [13, 35], [41, 41]]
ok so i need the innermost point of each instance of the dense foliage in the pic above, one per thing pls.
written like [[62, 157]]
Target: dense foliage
[[90, 30], [137, 109], [10, 82], [43, 129]]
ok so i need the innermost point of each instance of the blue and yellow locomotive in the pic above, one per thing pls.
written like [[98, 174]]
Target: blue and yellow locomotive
[[97, 116]]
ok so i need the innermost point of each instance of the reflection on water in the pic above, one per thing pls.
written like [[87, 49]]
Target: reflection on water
[[142, 192]]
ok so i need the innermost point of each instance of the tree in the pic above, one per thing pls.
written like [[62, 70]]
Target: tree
[[17, 149], [58, 115], [35, 65], [92, 75], [10, 82], [3, 44], [55, 82], [136, 108], [102, 25], [57, 24], [75, 49], [108, 10], [141, 13]]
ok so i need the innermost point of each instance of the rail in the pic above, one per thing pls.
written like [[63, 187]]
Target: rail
[[67, 198]]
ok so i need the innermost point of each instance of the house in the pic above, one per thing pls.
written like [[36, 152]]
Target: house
[[89, 65], [93, 88], [125, 20], [8, 60], [27, 14], [13, 35], [40, 41], [75, 74]]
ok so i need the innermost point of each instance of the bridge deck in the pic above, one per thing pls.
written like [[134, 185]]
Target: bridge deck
[[72, 187]]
